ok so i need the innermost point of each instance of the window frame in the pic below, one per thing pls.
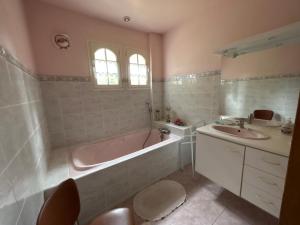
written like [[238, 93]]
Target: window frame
[[129, 53], [93, 47]]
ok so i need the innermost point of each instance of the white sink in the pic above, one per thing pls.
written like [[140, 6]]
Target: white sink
[[241, 132]]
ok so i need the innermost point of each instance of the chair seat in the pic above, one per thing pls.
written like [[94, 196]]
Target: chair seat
[[121, 216]]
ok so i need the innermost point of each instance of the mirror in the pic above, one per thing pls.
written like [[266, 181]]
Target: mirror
[[265, 78]]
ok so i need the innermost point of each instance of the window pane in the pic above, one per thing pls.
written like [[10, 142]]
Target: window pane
[[113, 79], [142, 70], [141, 59], [134, 79], [102, 78], [143, 79], [133, 69], [110, 55], [100, 54], [100, 66], [106, 68], [133, 59], [112, 67]]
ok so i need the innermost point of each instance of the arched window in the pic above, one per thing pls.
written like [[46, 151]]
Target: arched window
[[138, 75], [106, 67]]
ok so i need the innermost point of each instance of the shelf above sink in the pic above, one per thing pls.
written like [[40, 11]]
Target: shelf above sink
[[241, 133], [289, 34]]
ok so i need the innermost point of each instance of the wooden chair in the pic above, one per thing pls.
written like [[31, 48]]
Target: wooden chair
[[63, 207], [263, 114]]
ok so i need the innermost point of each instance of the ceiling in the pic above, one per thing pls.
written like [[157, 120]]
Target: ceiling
[[146, 15]]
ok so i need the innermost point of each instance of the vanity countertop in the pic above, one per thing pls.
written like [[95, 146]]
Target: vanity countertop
[[278, 143]]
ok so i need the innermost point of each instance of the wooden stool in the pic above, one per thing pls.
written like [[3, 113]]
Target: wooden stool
[[263, 114], [63, 207]]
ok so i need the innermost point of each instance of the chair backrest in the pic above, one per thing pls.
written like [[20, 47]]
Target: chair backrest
[[62, 207], [263, 114]]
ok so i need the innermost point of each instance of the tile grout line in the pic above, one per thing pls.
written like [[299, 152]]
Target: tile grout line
[[218, 216], [21, 210], [19, 104], [21, 148]]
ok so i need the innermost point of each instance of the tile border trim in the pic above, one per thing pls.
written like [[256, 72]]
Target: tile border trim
[[63, 78], [194, 75], [10, 58], [266, 77]]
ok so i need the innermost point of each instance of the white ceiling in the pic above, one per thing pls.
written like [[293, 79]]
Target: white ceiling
[[146, 15]]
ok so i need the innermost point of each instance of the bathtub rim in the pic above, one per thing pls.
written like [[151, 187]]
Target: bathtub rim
[[82, 173], [83, 145]]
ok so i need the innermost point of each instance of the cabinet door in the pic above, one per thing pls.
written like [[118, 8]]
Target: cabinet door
[[220, 161]]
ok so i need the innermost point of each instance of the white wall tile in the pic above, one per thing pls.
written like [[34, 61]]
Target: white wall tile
[[23, 143], [77, 112], [9, 207], [193, 97]]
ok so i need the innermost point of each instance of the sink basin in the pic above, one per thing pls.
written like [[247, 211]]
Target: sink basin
[[242, 133]]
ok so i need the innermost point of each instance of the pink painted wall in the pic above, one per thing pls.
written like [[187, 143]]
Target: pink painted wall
[[285, 59], [190, 47], [46, 20], [156, 46], [14, 35]]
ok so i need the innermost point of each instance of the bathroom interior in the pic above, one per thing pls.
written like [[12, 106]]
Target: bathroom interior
[[136, 112]]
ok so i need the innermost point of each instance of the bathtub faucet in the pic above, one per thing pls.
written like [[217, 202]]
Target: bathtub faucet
[[163, 131]]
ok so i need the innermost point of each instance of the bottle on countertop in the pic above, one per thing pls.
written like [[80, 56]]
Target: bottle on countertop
[[168, 116], [157, 114], [287, 127], [250, 118]]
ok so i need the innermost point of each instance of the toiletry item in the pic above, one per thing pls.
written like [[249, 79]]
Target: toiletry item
[[179, 122], [157, 114], [168, 117], [287, 127]]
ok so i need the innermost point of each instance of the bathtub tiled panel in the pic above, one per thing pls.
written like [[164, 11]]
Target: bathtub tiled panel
[[77, 112], [105, 189], [280, 94], [193, 97], [23, 144]]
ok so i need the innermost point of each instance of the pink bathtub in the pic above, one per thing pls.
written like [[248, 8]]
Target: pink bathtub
[[118, 149]]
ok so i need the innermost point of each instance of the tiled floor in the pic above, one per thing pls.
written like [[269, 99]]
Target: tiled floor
[[209, 204]]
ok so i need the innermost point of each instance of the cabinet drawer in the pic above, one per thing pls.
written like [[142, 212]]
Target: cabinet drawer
[[267, 182], [268, 162], [261, 199]]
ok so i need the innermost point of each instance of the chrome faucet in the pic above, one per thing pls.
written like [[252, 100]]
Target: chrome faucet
[[163, 131], [241, 123]]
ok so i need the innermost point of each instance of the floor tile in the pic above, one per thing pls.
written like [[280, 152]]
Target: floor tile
[[208, 204]]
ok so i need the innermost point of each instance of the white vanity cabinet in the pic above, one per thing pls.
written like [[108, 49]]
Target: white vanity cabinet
[[220, 161], [255, 175]]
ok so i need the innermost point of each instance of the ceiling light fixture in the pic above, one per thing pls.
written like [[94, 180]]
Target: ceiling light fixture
[[126, 19]]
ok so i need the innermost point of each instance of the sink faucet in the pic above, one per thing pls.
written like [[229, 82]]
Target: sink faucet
[[241, 123]]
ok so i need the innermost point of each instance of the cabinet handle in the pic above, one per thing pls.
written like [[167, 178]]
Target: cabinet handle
[[272, 163], [268, 182]]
